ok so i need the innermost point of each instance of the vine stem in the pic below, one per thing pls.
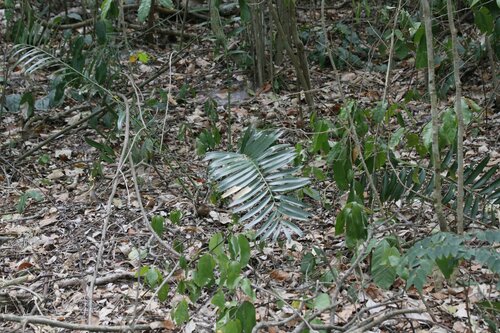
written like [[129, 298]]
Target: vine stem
[[109, 206]]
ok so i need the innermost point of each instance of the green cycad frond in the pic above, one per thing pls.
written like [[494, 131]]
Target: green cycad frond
[[481, 187], [257, 177], [34, 58]]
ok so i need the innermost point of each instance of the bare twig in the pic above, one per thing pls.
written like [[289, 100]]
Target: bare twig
[[16, 281], [58, 134], [108, 278], [380, 320], [110, 205], [81, 327], [145, 219], [266, 324], [329, 51], [391, 55]]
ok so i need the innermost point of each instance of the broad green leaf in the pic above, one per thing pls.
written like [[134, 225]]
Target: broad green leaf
[[379, 113], [448, 130], [340, 223], [143, 57], [427, 135], [246, 315], [396, 138], [35, 194], [421, 58], [247, 288], [181, 314], [356, 224], [142, 271], [234, 247], [216, 244], [157, 223], [101, 72], [143, 11], [312, 193], [244, 250], [233, 326], [418, 276], [474, 2], [307, 264], [21, 203], [204, 270], [219, 300], [175, 216], [233, 273], [320, 138], [447, 265], [101, 31], [341, 166], [322, 301], [163, 292], [245, 12], [412, 139], [484, 20], [153, 277], [385, 259], [105, 6], [137, 254], [166, 3]]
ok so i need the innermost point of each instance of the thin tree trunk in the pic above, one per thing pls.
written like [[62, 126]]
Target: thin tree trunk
[[297, 63], [460, 120], [494, 72], [259, 42], [436, 159], [216, 24]]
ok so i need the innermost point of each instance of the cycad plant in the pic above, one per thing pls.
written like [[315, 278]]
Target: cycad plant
[[259, 177]]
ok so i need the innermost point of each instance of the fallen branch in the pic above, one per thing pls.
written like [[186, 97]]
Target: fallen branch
[[377, 322], [82, 327], [267, 324], [16, 281], [99, 281]]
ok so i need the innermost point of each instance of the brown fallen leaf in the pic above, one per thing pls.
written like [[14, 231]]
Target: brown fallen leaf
[[279, 275]]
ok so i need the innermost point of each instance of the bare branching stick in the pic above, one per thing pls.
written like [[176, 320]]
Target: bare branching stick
[[58, 134], [377, 322], [108, 278], [329, 50], [80, 327], [165, 245], [391, 54], [16, 281], [266, 324], [109, 206]]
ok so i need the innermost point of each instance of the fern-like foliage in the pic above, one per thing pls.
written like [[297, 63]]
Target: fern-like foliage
[[446, 250], [87, 74], [481, 187], [258, 178]]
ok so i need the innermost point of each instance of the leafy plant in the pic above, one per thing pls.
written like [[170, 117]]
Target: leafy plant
[[482, 190], [207, 140], [23, 199], [446, 250], [257, 177]]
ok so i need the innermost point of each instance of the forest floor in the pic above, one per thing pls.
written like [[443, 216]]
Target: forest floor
[[52, 245]]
